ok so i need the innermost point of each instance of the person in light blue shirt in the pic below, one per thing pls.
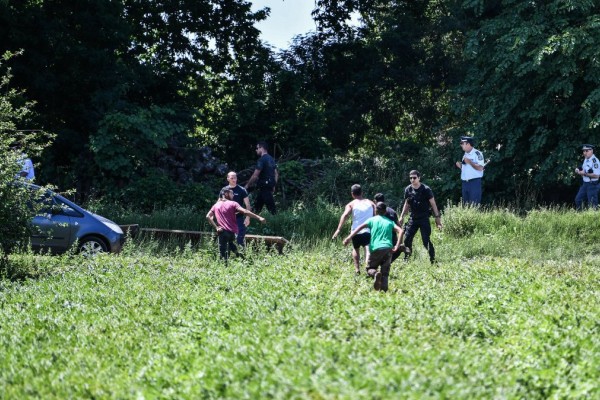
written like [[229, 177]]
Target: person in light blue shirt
[[471, 171]]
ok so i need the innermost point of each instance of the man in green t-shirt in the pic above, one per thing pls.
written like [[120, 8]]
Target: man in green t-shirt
[[381, 246]]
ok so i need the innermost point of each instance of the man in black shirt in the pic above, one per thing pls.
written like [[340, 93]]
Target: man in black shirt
[[419, 199], [240, 196], [266, 176]]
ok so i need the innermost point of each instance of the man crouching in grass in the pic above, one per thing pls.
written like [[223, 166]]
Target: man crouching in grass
[[380, 246], [225, 210]]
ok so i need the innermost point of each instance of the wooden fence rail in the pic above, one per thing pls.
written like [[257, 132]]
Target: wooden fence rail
[[196, 236]]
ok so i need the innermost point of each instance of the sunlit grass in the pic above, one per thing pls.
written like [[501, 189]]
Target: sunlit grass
[[502, 315]]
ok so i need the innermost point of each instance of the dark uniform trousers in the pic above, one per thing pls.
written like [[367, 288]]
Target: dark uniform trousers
[[588, 192], [410, 230], [265, 198]]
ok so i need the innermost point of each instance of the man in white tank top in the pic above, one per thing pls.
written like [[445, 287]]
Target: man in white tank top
[[361, 209]]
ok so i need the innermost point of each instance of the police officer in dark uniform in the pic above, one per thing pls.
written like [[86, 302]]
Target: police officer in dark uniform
[[419, 199], [266, 176], [590, 173]]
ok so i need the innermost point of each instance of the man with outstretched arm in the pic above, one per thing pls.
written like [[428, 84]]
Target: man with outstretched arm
[[361, 209], [226, 226], [381, 246]]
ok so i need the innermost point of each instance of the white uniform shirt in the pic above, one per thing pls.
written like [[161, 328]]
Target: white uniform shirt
[[362, 210], [592, 164], [467, 172], [26, 166]]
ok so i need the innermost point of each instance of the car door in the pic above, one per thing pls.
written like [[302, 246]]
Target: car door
[[52, 226]]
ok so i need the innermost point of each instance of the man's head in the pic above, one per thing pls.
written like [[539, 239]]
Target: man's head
[[356, 190], [262, 148], [466, 143], [588, 150], [381, 208], [415, 178], [379, 197], [226, 194], [232, 179]]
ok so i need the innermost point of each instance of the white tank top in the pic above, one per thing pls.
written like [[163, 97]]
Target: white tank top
[[362, 210]]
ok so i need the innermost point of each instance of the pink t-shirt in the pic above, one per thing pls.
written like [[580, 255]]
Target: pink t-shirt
[[225, 214]]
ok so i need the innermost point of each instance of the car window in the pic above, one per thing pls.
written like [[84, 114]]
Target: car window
[[66, 209]]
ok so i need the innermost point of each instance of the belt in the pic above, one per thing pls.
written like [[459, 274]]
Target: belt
[[469, 180], [595, 182]]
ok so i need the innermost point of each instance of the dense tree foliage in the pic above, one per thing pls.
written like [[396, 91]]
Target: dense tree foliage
[[15, 210], [122, 83], [532, 89], [120, 80]]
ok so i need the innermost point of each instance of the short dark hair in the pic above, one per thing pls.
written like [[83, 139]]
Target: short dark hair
[[381, 208], [263, 144], [224, 190], [379, 197], [415, 172], [356, 189]]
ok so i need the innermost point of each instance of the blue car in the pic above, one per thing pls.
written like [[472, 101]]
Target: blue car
[[61, 223]]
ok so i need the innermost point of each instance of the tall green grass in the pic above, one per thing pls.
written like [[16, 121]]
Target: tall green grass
[[181, 324], [555, 233]]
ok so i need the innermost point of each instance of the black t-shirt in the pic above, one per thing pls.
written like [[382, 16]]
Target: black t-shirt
[[392, 215], [418, 200], [266, 164], [239, 194]]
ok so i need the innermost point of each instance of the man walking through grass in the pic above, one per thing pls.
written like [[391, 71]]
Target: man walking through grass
[[265, 176], [240, 196], [419, 199], [361, 210], [393, 216], [226, 226], [381, 246]]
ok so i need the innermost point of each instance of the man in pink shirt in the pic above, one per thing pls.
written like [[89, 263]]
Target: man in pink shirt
[[225, 210]]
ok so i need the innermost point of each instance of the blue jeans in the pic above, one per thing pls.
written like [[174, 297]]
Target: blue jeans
[[240, 218], [471, 191], [588, 192]]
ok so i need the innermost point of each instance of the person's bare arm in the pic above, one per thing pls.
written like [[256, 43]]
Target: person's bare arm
[[247, 204], [436, 213], [343, 219], [210, 219], [252, 179], [354, 232]]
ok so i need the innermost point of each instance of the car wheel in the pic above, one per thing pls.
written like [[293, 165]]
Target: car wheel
[[92, 245]]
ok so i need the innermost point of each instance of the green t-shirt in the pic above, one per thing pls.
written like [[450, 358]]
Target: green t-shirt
[[381, 232]]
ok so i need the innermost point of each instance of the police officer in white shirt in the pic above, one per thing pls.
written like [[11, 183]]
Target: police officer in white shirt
[[471, 171], [590, 172]]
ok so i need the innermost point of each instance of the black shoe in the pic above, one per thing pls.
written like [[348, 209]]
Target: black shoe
[[378, 285]]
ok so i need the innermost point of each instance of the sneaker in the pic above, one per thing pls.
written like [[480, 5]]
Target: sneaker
[[371, 273], [378, 281]]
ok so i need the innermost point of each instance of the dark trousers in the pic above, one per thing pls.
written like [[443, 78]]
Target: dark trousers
[[381, 258], [471, 191], [398, 252], [227, 244], [265, 198], [588, 192], [410, 230], [240, 218]]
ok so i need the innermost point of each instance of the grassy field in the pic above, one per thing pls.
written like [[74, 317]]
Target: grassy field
[[510, 311]]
